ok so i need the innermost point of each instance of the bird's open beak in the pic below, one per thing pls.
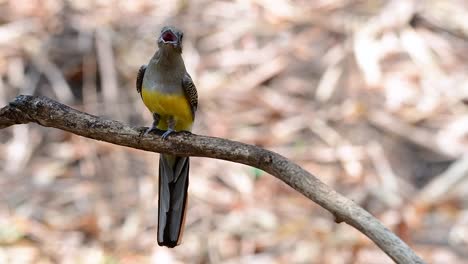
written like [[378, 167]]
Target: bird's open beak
[[168, 37]]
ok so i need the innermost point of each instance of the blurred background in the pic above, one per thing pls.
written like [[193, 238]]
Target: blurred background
[[369, 96]]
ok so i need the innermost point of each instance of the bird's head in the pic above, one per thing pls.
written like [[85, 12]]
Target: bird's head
[[171, 39]]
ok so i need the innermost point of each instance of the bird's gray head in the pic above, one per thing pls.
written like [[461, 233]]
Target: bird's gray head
[[171, 39]]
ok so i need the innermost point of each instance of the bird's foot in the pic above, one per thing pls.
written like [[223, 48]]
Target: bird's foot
[[169, 131], [149, 130]]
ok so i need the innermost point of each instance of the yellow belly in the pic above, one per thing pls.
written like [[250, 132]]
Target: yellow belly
[[169, 105]]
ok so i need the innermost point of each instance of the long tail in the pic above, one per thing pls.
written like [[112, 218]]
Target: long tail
[[173, 185]]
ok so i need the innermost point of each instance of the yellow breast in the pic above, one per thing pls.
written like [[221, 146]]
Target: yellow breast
[[167, 105]]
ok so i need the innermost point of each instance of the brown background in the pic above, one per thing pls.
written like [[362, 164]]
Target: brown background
[[370, 96]]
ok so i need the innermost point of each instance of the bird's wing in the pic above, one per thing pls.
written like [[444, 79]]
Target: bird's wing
[[139, 80], [190, 92]]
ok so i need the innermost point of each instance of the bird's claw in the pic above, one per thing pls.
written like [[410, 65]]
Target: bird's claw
[[169, 131], [149, 130]]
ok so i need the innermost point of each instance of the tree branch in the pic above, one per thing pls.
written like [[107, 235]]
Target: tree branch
[[49, 113]]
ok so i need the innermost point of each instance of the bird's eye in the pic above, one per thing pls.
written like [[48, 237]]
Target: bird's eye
[[181, 36]]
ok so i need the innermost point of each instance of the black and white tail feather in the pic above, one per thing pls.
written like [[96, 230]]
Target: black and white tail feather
[[173, 185]]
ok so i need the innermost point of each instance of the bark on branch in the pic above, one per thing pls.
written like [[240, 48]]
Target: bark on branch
[[49, 113]]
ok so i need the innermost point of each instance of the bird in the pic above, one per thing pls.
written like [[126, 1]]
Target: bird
[[167, 90]]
